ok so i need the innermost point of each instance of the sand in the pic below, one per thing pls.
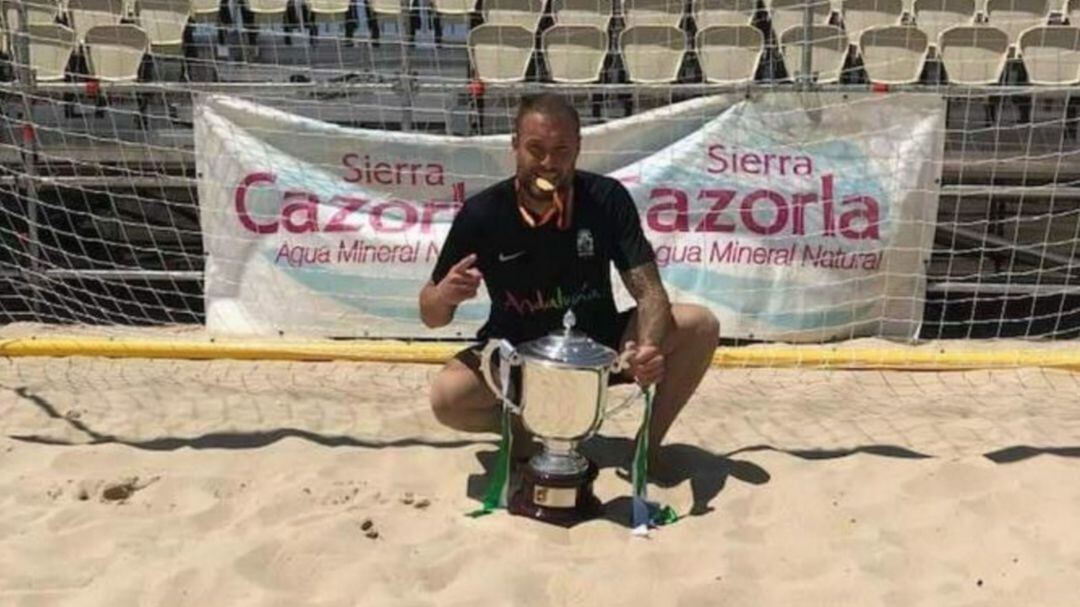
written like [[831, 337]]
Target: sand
[[285, 484]]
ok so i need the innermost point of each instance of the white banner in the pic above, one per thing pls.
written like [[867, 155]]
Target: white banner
[[792, 217]]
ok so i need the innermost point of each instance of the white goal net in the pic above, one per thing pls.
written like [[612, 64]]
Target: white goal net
[[812, 172]]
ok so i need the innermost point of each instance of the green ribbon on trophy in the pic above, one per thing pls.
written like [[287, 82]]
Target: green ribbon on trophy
[[644, 514], [496, 495]]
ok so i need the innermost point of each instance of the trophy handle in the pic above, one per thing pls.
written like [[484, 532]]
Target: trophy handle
[[629, 400], [508, 356], [622, 362]]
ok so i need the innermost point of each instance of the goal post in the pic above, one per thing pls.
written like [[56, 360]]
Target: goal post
[[284, 174]]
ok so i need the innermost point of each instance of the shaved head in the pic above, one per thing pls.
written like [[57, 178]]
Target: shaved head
[[553, 106]]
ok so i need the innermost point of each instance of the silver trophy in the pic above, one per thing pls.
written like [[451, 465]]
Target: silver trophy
[[562, 399]]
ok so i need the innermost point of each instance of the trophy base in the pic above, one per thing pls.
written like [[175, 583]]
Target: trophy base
[[559, 499]]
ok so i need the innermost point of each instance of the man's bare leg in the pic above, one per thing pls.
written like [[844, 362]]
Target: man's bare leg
[[462, 400], [692, 337]]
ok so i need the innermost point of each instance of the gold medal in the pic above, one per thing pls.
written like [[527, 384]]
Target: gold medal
[[544, 184]]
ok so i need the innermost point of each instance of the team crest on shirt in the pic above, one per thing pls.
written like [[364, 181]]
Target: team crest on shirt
[[584, 243]]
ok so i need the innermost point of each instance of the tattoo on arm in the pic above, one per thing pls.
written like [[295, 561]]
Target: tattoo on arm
[[654, 308]]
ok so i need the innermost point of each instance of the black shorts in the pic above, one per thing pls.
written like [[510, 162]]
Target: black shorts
[[471, 356]]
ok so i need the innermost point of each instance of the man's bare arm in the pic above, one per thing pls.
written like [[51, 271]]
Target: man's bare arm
[[654, 308], [434, 312], [438, 302]]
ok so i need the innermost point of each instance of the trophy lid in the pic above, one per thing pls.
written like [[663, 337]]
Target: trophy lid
[[569, 347]]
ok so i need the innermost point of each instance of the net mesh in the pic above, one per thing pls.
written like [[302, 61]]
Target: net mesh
[[100, 217], [103, 232], [167, 405]]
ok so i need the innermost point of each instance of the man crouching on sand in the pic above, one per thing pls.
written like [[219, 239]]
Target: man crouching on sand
[[524, 238]]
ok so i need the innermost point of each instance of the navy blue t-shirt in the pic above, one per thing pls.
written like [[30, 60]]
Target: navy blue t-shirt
[[534, 274]]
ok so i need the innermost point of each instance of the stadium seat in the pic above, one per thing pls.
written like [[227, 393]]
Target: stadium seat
[[893, 54], [830, 51], [974, 55], [205, 11], [268, 11], [936, 16], [708, 13], [164, 22], [387, 11], [1052, 55], [522, 13], [1015, 16], [575, 53], [652, 53], [86, 14], [729, 54], [785, 14], [51, 47], [460, 8], [38, 12], [667, 13], [453, 11], [596, 13], [114, 53], [328, 11], [861, 15], [500, 53], [385, 8]]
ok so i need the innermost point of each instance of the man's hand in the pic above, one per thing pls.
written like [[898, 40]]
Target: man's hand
[[461, 282], [646, 364]]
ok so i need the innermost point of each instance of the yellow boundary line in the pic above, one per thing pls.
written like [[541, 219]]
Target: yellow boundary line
[[907, 358]]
